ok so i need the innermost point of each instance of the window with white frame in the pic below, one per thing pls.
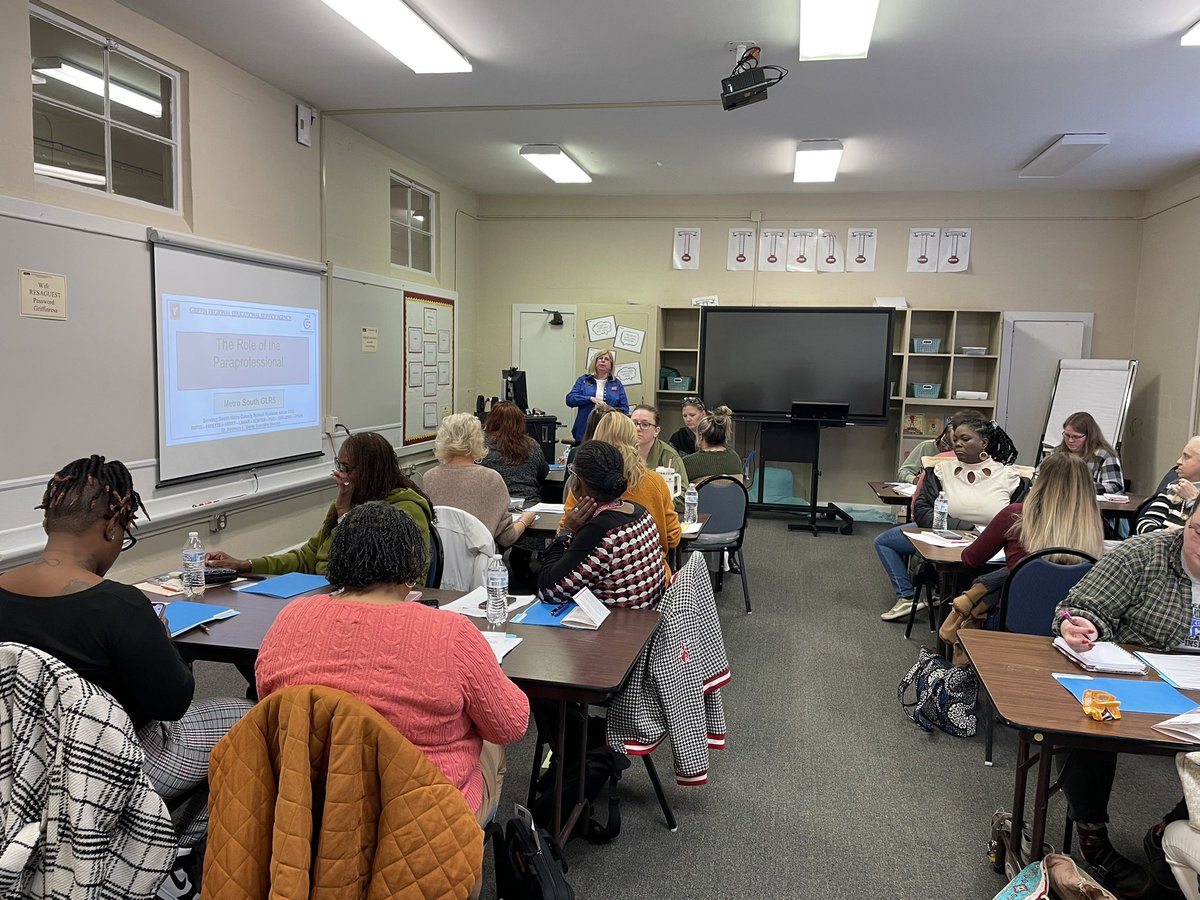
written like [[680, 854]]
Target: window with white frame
[[104, 116], [412, 225]]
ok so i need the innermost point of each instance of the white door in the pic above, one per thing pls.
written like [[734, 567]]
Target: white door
[[547, 355], [1032, 349]]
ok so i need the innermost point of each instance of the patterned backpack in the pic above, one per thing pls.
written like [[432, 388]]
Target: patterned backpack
[[945, 695]]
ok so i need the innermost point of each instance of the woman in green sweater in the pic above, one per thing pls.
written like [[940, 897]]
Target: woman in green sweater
[[712, 457], [365, 469]]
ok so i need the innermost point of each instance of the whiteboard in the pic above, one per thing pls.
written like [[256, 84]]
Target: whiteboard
[[369, 379], [1102, 387], [87, 385]]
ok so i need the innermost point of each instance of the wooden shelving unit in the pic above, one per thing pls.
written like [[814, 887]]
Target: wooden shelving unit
[[953, 369], [679, 336]]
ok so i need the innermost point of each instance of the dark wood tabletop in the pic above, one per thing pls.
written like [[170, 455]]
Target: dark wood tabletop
[[1017, 670], [1126, 510], [939, 556], [889, 495], [555, 663]]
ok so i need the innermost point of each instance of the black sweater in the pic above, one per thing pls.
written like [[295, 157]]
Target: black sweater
[[110, 635]]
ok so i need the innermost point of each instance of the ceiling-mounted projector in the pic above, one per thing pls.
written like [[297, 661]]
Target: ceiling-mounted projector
[[748, 82]]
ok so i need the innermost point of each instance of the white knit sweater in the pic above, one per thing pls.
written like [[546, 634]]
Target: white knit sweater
[[976, 491]]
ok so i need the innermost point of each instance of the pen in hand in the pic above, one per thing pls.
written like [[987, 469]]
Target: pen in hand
[[1066, 617]]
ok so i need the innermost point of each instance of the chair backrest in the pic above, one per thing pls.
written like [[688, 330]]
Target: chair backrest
[[467, 545], [436, 559], [1035, 586], [727, 501]]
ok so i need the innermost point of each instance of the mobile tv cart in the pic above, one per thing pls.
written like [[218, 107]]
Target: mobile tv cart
[[798, 439]]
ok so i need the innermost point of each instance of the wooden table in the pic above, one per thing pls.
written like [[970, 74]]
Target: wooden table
[[947, 562], [1127, 510], [1016, 670], [561, 665], [891, 496]]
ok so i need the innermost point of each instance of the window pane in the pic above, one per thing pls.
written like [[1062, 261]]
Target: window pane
[[66, 67], [422, 210], [142, 168], [140, 96], [68, 145], [422, 252], [399, 245], [400, 211]]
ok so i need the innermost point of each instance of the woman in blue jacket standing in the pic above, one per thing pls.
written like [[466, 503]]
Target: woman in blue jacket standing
[[596, 387]]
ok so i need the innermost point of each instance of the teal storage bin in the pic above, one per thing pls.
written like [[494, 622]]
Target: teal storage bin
[[926, 345], [927, 391]]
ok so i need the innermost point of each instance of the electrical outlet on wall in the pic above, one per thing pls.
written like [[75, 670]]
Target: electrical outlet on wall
[[217, 522], [304, 120], [331, 423]]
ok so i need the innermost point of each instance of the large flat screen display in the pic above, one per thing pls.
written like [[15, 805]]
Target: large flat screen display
[[758, 361]]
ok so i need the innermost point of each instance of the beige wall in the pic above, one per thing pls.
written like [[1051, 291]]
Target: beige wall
[[1165, 341], [358, 233], [1055, 251]]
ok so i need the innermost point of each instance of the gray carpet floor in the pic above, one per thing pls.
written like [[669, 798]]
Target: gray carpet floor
[[826, 789]]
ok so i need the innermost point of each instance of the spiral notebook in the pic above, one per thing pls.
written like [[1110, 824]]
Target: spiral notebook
[[1104, 656]]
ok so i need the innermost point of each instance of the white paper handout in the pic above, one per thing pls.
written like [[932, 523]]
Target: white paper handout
[[954, 250], [829, 252], [630, 339], [603, 328], [802, 250], [685, 252], [474, 604], [923, 249], [589, 612], [860, 249], [740, 255], [1185, 727], [1181, 669], [629, 373], [549, 509], [772, 250], [502, 644]]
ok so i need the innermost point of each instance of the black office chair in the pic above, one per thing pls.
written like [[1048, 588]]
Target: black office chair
[[1027, 601], [436, 559], [727, 501]]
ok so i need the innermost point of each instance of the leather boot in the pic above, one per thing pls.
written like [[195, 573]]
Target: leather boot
[[1118, 873], [962, 609]]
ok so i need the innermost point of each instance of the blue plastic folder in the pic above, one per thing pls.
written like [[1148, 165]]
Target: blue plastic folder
[[538, 613], [285, 586], [1135, 695], [184, 615]]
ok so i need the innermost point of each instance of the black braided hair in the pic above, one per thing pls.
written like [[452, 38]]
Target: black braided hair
[[999, 445], [89, 489], [376, 544], [602, 468]]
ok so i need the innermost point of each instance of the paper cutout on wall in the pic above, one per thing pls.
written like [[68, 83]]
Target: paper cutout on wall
[[429, 357], [630, 339], [429, 420], [685, 251], [802, 250], [414, 374], [602, 329], [443, 340], [629, 373], [860, 249], [415, 338], [954, 250], [829, 252], [740, 254], [443, 372], [431, 383], [431, 318], [772, 250], [922, 249]]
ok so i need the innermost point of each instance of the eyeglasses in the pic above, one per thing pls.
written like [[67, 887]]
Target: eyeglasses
[[692, 401], [128, 541], [1073, 437], [640, 425], [343, 467]]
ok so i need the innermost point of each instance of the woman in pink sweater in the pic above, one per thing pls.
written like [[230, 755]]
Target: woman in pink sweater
[[428, 672]]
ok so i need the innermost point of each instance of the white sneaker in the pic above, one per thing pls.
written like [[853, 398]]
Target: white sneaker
[[900, 610], [180, 882]]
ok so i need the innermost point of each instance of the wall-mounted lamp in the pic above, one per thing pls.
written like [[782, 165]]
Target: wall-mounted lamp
[[556, 319]]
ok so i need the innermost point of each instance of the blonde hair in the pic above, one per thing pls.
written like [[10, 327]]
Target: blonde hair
[[591, 369], [459, 435], [1061, 510], [618, 429], [716, 428]]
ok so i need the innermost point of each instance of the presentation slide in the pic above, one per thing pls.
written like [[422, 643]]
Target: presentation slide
[[236, 369]]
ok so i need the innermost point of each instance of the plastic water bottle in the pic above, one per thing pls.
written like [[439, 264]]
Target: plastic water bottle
[[941, 511], [691, 505], [193, 566], [497, 592]]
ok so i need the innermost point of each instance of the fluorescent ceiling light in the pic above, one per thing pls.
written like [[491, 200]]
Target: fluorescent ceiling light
[[402, 33], [1191, 37], [69, 174], [92, 83], [555, 163], [836, 29], [1069, 150], [817, 160]]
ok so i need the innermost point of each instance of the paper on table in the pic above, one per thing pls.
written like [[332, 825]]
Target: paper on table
[[1185, 726], [556, 509], [1179, 669], [692, 530], [469, 604], [998, 557], [902, 487], [1115, 498], [501, 644], [589, 611], [184, 615], [284, 587], [928, 537], [1104, 656]]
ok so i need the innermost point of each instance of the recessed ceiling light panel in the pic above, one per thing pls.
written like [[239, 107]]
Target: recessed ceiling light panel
[[402, 33], [817, 161], [554, 162], [1065, 153], [836, 29]]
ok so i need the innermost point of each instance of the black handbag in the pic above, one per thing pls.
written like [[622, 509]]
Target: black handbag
[[529, 862]]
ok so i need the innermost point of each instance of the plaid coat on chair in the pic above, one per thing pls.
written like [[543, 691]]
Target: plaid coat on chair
[[675, 687], [80, 821]]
